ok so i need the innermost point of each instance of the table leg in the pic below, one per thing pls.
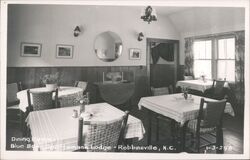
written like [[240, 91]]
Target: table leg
[[149, 127], [157, 128], [178, 135], [173, 132], [183, 136]]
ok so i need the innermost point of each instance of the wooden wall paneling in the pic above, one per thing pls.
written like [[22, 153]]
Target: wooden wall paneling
[[141, 84], [91, 74], [78, 75], [67, 76], [83, 74], [40, 72], [31, 77], [130, 73], [11, 75], [38, 77]]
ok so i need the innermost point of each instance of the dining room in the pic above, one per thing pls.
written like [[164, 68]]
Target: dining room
[[126, 78]]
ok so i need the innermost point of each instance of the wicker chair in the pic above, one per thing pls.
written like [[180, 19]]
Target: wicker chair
[[42, 100], [159, 91], [217, 91], [14, 114], [209, 121], [188, 77], [107, 134], [70, 100], [81, 84]]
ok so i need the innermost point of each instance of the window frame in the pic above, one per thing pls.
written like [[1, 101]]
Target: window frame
[[217, 59], [215, 51]]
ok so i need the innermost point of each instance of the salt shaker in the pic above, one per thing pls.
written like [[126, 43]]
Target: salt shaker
[[75, 114]]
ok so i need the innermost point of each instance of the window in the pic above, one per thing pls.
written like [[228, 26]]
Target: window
[[226, 59], [215, 58], [203, 58]]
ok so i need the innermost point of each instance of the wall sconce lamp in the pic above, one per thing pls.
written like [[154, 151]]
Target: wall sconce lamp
[[140, 36], [77, 31]]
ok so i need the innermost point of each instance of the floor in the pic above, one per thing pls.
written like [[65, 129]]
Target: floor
[[233, 136], [232, 131]]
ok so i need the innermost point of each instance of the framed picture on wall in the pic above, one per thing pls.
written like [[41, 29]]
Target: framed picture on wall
[[134, 54], [64, 51], [31, 49]]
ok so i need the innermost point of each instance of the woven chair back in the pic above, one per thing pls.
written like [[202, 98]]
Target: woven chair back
[[42, 100], [104, 134], [70, 100], [81, 84], [188, 77], [218, 87], [159, 91], [213, 113]]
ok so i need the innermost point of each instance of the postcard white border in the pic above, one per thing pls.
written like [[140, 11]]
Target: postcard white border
[[62, 155]]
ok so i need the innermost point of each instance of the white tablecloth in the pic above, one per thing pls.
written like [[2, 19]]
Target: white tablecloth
[[62, 92], [56, 129], [176, 107], [198, 85]]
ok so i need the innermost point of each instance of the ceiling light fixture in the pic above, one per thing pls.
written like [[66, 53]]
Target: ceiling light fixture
[[149, 14]]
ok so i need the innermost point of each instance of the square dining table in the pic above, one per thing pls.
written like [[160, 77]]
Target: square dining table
[[175, 107], [198, 85], [57, 130]]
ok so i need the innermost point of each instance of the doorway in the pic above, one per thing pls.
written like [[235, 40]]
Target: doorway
[[162, 62]]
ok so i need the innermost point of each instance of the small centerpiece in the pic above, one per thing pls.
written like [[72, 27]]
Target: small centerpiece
[[82, 101], [51, 81], [203, 78], [185, 93]]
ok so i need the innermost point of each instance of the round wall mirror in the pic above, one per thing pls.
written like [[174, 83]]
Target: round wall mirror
[[108, 46]]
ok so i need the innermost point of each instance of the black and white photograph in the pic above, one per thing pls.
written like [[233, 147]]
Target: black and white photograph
[[134, 54], [30, 49], [181, 91], [64, 51]]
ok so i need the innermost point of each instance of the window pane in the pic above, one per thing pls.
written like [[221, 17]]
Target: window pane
[[221, 49], [226, 48], [208, 50], [202, 67], [230, 48], [202, 49], [226, 69]]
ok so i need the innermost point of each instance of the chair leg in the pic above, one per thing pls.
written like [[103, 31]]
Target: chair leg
[[198, 142], [219, 140], [149, 127]]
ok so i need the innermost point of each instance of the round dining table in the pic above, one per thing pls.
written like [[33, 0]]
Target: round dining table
[[65, 94]]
